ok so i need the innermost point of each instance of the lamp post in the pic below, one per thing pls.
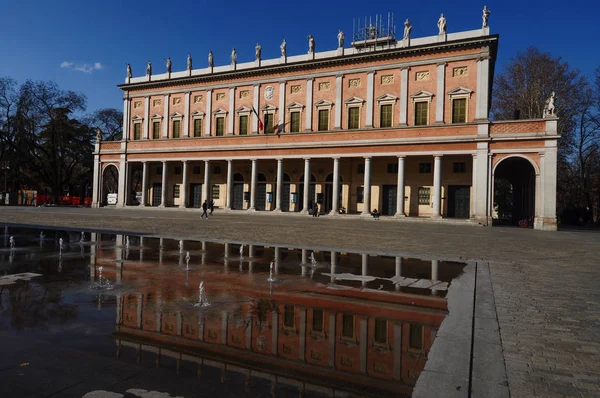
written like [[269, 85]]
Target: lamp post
[[5, 167]]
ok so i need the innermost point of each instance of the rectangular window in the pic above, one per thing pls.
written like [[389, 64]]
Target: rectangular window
[[294, 122], [360, 191], [323, 120], [415, 340], [353, 114], [268, 120], [393, 168], [317, 320], [459, 110], [380, 331], [176, 191], [459, 167], [424, 196], [137, 131], [216, 191], [196, 170], [178, 170], [176, 128], [421, 113], [288, 316], [197, 127], [244, 125], [220, 126], [347, 325], [385, 117], [155, 130], [424, 168]]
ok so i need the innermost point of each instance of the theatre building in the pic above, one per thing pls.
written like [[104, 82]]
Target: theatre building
[[401, 126]]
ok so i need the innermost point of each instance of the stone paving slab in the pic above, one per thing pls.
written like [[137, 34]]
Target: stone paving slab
[[544, 284]]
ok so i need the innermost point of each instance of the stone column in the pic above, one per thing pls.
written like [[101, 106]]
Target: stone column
[[145, 133], [548, 185], [370, 95], [400, 192], [186, 115], [403, 96], [338, 102], [207, 192], [184, 185], [367, 188], [336, 187], [333, 265], [144, 184], [229, 184], [96, 181], [306, 184], [253, 186], [163, 197], [231, 114], [166, 116], [309, 107], [482, 180], [208, 113], [122, 194], [440, 99], [279, 184], [434, 269], [437, 187], [398, 271]]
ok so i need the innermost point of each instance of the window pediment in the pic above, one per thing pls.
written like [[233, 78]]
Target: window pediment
[[460, 91], [324, 104], [220, 112], [295, 106], [197, 115], [268, 108], [387, 98], [176, 115], [137, 118], [422, 95], [156, 116], [354, 101], [243, 109]]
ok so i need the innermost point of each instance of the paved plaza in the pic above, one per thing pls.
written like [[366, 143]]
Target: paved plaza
[[544, 284]]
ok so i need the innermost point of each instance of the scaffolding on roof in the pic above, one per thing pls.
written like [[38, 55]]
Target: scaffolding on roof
[[373, 35]]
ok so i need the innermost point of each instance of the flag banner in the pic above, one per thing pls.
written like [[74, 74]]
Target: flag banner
[[260, 123]]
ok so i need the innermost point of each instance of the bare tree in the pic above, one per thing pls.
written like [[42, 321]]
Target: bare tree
[[109, 121]]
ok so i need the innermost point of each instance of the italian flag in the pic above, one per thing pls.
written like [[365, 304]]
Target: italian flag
[[260, 123]]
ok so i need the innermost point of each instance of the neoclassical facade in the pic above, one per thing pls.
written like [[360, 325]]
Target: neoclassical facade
[[401, 126]]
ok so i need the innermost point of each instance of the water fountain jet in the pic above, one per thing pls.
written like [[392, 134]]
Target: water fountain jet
[[202, 300]]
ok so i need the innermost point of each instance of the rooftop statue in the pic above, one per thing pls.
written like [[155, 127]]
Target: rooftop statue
[[189, 62], [149, 69], [257, 51], [168, 64], [442, 25], [129, 71], [233, 57], [311, 44], [340, 38], [485, 16], [282, 47], [407, 29], [210, 59], [549, 108]]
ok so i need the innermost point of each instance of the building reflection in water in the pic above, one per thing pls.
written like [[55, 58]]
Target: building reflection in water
[[355, 323]]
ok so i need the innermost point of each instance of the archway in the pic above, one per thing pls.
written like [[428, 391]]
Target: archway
[[514, 191], [110, 185], [328, 197], [237, 201]]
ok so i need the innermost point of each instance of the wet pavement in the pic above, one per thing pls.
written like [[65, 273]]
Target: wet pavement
[[100, 314], [534, 320]]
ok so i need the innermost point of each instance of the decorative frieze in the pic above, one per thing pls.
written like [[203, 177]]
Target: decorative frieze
[[156, 102], [460, 71], [387, 79], [220, 96], [137, 104], [354, 82], [198, 98], [422, 76], [244, 93], [295, 89], [324, 86], [176, 100]]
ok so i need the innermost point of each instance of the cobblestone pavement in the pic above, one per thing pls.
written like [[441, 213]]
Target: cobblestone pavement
[[546, 284]]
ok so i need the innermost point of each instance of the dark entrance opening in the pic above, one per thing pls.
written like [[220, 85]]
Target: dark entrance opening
[[261, 192], [459, 201], [156, 194], [514, 191], [238, 192], [285, 192], [389, 200], [328, 199], [195, 199], [311, 193]]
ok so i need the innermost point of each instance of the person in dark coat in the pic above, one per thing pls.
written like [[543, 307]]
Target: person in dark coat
[[204, 209], [212, 207], [316, 210]]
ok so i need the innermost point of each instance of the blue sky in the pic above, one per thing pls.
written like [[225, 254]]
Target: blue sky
[[93, 40]]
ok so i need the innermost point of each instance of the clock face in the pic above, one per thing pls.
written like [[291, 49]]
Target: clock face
[[269, 92]]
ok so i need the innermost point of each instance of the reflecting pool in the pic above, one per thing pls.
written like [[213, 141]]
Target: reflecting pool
[[228, 317]]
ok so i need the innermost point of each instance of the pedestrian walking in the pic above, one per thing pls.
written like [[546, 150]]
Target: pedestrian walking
[[204, 209], [316, 210], [311, 207], [212, 207]]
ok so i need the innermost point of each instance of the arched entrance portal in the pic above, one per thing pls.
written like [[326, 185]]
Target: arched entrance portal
[[110, 185], [238, 192], [514, 191]]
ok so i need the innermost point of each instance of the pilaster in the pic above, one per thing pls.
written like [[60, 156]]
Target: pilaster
[[309, 107], [145, 133], [231, 111], [338, 102], [208, 113], [166, 117], [370, 97], [403, 96], [440, 99], [186, 115]]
